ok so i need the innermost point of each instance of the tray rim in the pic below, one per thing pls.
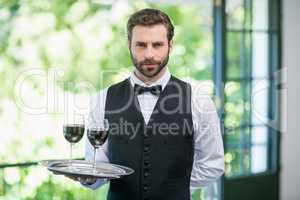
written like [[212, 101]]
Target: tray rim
[[48, 163]]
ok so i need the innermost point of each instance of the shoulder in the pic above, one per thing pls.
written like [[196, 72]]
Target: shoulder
[[179, 81], [100, 95], [119, 85], [98, 98], [202, 96]]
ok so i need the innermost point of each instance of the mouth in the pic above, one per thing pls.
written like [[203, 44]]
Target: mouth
[[150, 67]]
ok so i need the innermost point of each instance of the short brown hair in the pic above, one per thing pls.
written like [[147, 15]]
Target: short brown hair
[[150, 17]]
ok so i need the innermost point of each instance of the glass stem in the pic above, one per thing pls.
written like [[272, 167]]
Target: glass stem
[[71, 147], [94, 163]]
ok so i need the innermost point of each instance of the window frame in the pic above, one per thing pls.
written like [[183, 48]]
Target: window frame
[[237, 187]]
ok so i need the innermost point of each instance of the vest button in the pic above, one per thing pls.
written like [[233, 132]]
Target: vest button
[[148, 132], [146, 149], [146, 174], [146, 188], [146, 162]]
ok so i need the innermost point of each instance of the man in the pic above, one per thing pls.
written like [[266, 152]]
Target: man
[[172, 135]]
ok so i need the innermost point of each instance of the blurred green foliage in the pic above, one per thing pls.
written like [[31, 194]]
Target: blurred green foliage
[[87, 41]]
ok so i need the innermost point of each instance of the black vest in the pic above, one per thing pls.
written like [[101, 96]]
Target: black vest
[[161, 152]]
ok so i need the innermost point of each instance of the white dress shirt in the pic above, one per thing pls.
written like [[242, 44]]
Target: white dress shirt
[[208, 152]]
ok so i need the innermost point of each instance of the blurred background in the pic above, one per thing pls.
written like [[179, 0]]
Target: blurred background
[[55, 54]]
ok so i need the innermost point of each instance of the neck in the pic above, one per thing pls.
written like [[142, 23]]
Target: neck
[[149, 80]]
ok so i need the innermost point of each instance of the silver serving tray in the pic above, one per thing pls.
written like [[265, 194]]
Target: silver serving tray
[[82, 168]]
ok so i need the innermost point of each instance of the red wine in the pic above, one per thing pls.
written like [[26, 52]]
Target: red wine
[[73, 132], [97, 137]]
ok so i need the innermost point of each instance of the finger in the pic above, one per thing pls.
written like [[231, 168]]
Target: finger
[[73, 178], [87, 180]]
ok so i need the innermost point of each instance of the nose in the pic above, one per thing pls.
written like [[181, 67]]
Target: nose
[[149, 53]]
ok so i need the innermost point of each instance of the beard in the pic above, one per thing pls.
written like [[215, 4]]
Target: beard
[[147, 73]]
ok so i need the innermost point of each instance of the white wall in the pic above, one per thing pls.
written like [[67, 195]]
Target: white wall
[[290, 177]]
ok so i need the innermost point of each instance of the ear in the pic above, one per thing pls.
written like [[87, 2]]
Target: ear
[[171, 45], [129, 44]]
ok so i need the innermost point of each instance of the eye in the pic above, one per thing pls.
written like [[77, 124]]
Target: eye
[[157, 44], [140, 44]]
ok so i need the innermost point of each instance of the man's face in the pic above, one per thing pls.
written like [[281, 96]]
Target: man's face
[[149, 49]]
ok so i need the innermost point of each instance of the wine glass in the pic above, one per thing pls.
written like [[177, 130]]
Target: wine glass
[[97, 134], [73, 129]]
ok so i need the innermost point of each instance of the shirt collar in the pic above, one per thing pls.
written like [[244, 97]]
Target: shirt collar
[[161, 81]]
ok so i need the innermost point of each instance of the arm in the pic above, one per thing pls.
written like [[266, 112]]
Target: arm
[[96, 110], [208, 163], [101, 156]]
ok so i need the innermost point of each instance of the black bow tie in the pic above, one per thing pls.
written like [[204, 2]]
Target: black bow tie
[[156, 90]]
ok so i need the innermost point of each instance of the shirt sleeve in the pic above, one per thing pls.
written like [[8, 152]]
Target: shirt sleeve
[[208, 163], [96, 110]]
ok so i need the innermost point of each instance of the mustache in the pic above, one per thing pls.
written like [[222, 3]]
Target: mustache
[[149, 62]]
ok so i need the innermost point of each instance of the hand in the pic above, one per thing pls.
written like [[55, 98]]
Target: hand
[[83, 180]]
